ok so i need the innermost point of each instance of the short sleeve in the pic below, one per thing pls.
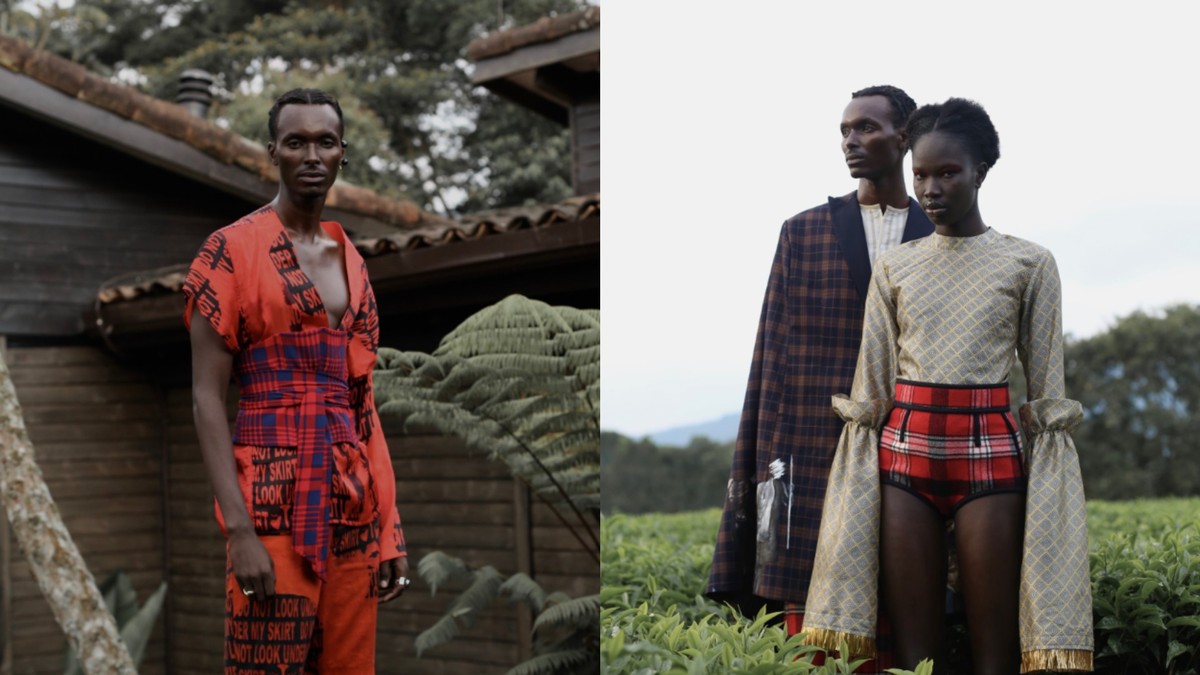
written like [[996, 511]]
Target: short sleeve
[[211, 289]]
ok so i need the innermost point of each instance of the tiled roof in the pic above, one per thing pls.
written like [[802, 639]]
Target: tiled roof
[[472, 227], [176, 122], [482, 224], [544, 29]]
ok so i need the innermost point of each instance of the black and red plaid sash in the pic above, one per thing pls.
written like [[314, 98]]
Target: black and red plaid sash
[[978, 401], [294, 394], [959, 398]]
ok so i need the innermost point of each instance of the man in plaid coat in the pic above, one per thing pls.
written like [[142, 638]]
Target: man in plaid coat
[[806, 351]]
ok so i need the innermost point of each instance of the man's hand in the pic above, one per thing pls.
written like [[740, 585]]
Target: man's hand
[[252, 565], [393, 579]]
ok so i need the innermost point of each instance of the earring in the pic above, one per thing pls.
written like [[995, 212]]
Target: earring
[[345, 161], [344, 143]]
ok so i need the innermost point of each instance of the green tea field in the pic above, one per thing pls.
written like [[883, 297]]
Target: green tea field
[[1145, 561]]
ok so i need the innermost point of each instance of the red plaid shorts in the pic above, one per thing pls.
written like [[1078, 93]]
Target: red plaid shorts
[[948, 444]]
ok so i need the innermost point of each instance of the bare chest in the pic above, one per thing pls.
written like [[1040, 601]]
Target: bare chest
[[324, 263]]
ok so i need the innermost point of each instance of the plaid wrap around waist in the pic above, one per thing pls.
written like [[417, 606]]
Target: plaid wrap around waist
[[952, 398], [933, 408], [294, 393]]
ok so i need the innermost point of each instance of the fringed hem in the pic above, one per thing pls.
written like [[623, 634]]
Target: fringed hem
[[1058, 660], [859, 646]]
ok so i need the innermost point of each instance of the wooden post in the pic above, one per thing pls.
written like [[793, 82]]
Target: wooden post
[[524, 545], [61, 573], [5, 574]]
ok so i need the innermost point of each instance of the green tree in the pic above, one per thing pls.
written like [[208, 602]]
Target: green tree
[[428, 134], [1139, 383], [641, 477]]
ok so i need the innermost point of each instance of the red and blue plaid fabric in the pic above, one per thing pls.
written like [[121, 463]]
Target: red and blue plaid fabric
[[948, 444], [294, 393]]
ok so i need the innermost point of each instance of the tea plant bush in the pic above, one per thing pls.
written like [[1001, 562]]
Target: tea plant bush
[[654, 619], [1146, 585]]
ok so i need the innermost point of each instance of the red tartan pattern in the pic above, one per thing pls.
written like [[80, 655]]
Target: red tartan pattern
[[806, 351], [247, 285], [947, 458], [294, 394], [958, 396]]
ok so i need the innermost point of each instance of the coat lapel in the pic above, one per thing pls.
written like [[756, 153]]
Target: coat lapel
[[852, 239], [918, 224], [848, 227]]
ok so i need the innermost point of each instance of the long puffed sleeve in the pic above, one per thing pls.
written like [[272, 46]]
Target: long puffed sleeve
[[875, 376], [1040, 337], [1056, 600], [843, 596]]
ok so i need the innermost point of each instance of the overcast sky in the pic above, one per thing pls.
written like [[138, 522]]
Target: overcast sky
[[719, 125]]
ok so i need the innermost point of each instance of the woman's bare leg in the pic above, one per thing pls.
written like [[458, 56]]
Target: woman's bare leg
[[990, 531], [913, 571]]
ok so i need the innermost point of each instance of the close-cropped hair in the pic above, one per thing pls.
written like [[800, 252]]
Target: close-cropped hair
[[962, 118], [901, 103], [302, 97]]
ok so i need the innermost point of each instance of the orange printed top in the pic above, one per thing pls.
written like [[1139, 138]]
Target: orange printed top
[[247, 284]]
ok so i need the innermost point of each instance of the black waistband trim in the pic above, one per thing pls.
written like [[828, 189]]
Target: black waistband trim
[[933, 385], [950, 409]]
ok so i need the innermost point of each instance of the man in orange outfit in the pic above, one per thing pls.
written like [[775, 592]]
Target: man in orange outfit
[[304, 485]]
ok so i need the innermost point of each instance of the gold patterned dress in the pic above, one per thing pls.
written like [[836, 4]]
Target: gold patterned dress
[[958, 311]]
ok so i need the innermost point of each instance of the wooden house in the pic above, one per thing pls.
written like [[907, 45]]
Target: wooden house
[[105, 195], [552, 67]]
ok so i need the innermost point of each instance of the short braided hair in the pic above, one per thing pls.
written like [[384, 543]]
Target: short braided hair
[[302, 97], [962, 118], [902, 104]]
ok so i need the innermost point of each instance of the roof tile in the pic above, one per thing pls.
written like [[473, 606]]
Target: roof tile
[[479, 225], [544, 29], [175, 121], [65, 76], [13, 54]]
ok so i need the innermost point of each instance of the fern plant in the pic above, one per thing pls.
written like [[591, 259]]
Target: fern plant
[[566, 630], [519, 380]]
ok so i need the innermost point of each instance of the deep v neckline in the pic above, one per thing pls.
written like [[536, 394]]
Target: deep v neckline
[[323, 310]]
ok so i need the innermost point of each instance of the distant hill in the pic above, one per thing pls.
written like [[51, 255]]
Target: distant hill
[[723, 430]]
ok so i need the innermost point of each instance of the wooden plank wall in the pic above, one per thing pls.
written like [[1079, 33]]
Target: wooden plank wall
[[585, 147], [98, 430], [195, 549], [96, 436], [57, 190]]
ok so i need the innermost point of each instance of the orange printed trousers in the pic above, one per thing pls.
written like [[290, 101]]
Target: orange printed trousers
[[308, 626]]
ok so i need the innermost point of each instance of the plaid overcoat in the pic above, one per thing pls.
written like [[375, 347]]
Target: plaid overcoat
[[806, 351]]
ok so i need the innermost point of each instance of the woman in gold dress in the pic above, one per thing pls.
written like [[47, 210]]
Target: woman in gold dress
[[930, 437]]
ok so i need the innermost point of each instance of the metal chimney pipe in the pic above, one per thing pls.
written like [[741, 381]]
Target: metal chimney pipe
[[195, 92]]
